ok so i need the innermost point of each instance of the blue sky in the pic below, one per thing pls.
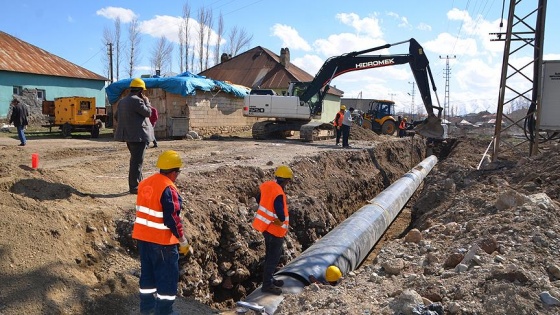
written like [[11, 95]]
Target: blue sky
[[73, 30]]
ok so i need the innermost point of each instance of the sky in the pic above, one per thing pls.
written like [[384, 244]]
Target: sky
[[451, 31]]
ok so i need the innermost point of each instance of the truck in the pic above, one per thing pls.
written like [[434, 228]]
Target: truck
[[380, 117], [300, 108], [75, 113]]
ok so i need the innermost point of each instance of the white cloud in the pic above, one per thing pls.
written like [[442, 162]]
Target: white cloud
[[70, 19], [338, 44], [424, 27], [368, 26], [125, 15], [402, 19], [290, 37], [446, 44], [163, 26]]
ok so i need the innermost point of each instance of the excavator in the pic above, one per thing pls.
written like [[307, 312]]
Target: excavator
[[302, 105]]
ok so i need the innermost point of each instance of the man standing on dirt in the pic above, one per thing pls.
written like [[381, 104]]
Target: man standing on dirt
[[19, 119], [135, 129], [273, 220], [346, 124], [158, 229], [338, 123]]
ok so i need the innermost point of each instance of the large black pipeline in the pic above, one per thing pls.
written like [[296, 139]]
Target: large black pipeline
[[348, 244]]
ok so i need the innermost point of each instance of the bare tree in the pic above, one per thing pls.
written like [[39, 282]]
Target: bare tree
[[201, 36], [220, 34], [118, 47], [187, 45], [237, 39], [133, 46], [161, 55], [209, 25], [181, 49]]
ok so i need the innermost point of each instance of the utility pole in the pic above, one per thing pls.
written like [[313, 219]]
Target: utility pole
[[392, 94], [524, 32], [447, 73], [412, 103], [110, 52]]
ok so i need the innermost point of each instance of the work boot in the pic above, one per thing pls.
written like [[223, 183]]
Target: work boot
[[272, 290]]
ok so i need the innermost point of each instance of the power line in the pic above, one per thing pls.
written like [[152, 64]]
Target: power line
[[447, 73]]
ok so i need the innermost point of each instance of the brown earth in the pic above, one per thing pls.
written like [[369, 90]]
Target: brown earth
[[66, 246]]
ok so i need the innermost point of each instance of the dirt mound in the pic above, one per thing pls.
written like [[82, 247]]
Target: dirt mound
[[481, 242], [359, 133]]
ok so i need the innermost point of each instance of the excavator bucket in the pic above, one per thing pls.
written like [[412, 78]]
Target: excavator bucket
[[430, 128]]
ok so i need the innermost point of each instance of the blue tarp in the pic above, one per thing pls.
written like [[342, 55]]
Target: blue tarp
[[183, 84]]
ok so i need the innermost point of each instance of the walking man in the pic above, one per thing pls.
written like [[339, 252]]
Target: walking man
[[338, 123], [273, 220], [135, 129], [158, 229], [19, 119], [346, 124]]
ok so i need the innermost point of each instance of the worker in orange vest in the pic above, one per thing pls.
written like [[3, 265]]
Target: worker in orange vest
[[158, 230], [337, 122], [402, 128], [273, 219]]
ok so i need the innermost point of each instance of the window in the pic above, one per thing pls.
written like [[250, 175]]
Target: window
[[41, 95], [17, 90]]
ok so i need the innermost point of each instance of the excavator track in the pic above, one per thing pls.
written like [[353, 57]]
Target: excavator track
[[315, 131], [311, 131]]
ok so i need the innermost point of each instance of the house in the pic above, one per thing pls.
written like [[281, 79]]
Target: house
[[260, 68], [189, 102], [27, 70]]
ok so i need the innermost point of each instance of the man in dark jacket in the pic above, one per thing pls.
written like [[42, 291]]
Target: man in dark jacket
[[19, 119], [134, 128]]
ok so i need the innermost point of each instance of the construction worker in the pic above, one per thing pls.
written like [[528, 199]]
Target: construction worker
[[158, 229], [272, 219], [346, 124], [134, 128], [338, 123], [402, 128]]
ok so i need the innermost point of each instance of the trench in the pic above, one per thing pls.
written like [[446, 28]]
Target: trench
[[328, 188]]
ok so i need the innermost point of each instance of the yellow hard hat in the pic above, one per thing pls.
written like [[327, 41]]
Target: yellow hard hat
[[333, 274], [284, 171], [138, 83], [169, 160], [342, 107]]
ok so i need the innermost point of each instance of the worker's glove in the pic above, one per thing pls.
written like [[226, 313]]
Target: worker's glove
[[185, 248]]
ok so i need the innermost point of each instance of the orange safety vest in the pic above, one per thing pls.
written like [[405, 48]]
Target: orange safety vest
[[338, 119], [402, 125], [266, 213], [149, 225]]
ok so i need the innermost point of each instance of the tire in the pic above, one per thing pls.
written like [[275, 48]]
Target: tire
[[366, 123], [66, 130], [388, 128], [95, 129]]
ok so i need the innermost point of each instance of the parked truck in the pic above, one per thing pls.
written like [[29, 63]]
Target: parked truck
[[73, 114]]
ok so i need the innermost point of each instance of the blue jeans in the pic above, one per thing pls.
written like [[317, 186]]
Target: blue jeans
[[159, 274], [345, 135], [273, 252], [21, 134]]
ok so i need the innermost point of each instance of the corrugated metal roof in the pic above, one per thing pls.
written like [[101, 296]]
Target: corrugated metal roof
[[260, 68], [19, 56]]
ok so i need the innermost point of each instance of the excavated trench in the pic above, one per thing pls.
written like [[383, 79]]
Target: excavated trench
[[328, 188]]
